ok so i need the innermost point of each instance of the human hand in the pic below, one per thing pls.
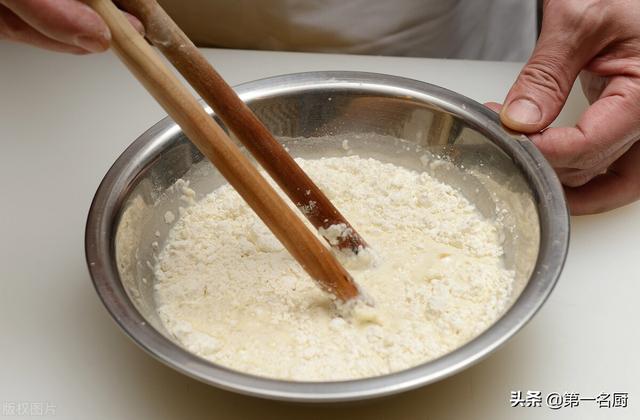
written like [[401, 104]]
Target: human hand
[[598, 160], [59, 25]]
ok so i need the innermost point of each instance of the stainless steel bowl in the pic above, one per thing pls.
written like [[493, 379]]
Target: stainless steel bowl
[[390, 118]]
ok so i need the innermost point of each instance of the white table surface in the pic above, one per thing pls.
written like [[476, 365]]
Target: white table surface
[[64, 120]]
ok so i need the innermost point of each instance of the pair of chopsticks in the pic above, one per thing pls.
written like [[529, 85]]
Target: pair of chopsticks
[[214, 143]]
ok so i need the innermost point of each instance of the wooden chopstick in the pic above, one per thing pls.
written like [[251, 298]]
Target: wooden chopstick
[[165, 34], [213, 142]]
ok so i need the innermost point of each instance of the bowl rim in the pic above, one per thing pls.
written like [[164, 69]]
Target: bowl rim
[[121, 177]]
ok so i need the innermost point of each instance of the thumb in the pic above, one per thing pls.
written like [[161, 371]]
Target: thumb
[[543, 85]]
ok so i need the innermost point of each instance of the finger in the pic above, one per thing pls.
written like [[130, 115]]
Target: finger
[[15, 29], [608, 125], [618, 187], [494, 106], [135, 22], [577, 177], [67, 21], [544, 83], [592, 85]]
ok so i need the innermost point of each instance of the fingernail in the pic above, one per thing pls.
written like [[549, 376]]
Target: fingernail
[[136, 24], [93, 43], [523, 111]]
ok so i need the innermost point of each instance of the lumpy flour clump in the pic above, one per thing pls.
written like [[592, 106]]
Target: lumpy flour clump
[[228, 291]]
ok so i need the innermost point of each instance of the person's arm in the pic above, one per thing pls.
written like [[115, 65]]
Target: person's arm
[[59, 25], [598, 160]]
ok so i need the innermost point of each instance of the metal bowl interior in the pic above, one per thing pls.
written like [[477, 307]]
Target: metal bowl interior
[[392, 119]]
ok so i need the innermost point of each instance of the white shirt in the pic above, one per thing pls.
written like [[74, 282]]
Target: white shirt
[[472, 29]]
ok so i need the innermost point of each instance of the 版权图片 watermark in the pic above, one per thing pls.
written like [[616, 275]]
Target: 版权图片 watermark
[[28, 408]]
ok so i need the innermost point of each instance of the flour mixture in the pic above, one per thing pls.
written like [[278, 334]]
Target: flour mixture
[[228, 291]]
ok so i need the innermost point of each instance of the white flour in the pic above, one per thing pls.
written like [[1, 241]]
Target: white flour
[[229, 292]]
